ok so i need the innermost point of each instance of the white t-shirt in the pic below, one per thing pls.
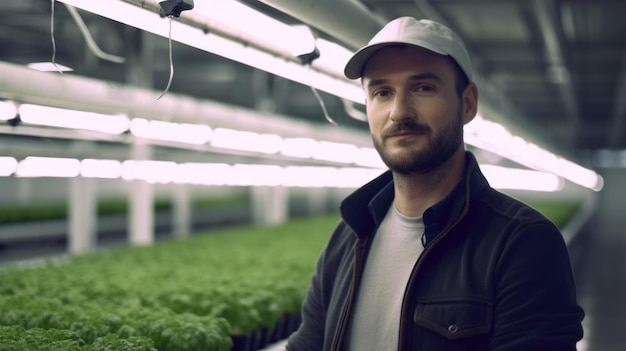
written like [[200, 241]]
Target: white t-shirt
[[376, 314]]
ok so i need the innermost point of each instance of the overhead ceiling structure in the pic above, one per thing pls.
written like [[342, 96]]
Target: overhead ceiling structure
[[559, 66], [552, 71]]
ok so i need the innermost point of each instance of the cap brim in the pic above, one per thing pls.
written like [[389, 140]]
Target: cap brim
[[356, 64]]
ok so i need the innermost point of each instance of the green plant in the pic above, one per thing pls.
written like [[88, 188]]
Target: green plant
[[190, 294]]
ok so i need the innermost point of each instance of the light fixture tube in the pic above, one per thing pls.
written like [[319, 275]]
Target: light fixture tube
[[8, 110], [154, 172], [236, 44], [521, 179], [256, 26], [256, 175], [222, 174], [179, 132], [336, 152], [333, 57], [246, 141], [312, 177], [33, 166], [493, 137], [199, 173], [368, 157], [8, 165], [298, 147], [58, 117], [107, 169], [49, 67]]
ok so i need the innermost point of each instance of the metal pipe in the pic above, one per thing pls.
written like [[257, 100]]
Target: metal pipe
[[557, 67], [346, 20]]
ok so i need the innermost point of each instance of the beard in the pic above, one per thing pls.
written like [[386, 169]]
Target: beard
[[439, 149]]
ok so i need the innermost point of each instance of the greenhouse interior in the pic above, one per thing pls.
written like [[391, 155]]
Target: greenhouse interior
[[171, 171]]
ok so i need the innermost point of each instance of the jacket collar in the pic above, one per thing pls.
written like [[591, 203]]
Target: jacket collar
[[365, 208]]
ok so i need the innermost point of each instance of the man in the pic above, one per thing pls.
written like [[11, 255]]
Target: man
[[428, 256]]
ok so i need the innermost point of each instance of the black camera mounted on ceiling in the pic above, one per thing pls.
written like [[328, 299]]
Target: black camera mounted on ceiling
[[174, 7]]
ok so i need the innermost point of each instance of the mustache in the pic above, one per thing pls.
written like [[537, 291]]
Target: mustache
[[410, 127]]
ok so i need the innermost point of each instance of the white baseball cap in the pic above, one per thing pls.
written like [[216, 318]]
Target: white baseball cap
[[407, 30]]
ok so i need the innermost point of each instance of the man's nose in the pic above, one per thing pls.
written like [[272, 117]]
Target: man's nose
[[401, 109]]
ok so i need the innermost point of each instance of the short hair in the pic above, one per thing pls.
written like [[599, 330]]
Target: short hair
[[461, 78]]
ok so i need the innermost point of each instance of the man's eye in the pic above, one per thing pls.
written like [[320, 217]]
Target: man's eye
[[381, 93], [425, 88]]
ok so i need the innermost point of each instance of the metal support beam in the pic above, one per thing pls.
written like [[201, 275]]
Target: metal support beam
[[347, 20], [616, 127], [557, 69]]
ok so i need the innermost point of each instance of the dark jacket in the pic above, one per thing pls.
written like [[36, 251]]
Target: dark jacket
[[494, 275]]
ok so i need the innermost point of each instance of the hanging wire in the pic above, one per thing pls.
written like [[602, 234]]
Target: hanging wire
[[91, 44], [321, 101], [54, 44], [170, 58]]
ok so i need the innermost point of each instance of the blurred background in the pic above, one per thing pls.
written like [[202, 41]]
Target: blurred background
[[124, 122]]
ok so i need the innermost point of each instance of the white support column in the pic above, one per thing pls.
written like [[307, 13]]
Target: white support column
[[82, 215], [270, 205], [24, 189], [181, 210], [141, 207], [317, 200]]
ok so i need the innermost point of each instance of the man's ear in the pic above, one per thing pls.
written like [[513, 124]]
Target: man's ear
[[470, 102]]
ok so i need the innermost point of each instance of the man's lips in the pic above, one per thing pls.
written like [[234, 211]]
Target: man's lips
[[404, 134], [404, 131]]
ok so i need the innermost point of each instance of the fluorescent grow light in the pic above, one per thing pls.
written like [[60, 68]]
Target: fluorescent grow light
[[8, 110], [33, 166], [242, 39], [58, 117], [8, 165], [495, 138], [180, 132]]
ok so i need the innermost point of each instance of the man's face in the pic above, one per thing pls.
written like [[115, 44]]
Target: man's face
[[415, 114]]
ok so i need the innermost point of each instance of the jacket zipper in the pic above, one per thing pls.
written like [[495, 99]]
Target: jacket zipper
[[347, 307], [405, 304]]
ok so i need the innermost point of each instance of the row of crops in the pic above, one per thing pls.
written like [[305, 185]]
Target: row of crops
[[233, 289]]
